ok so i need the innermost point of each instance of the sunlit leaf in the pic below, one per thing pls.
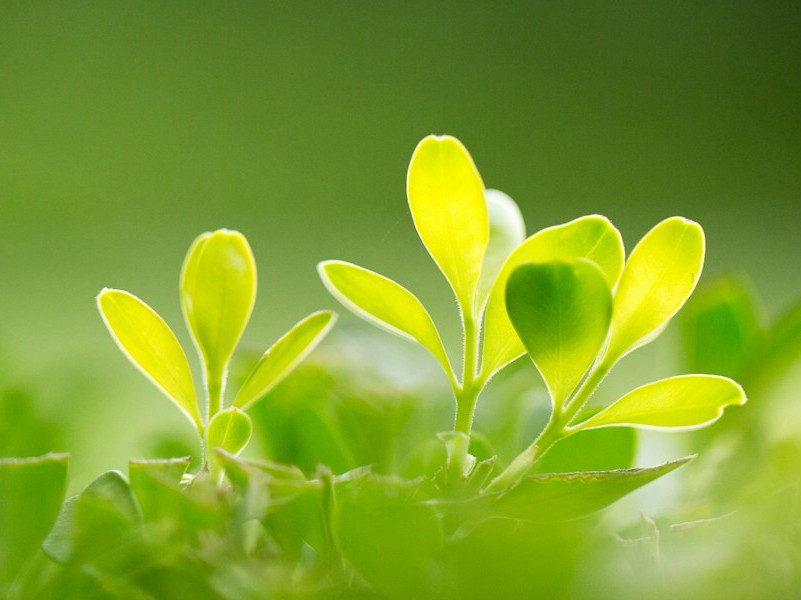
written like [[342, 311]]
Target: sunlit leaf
[[564, 496], [218, 289], [446, 198], [561, 311], [151, 346], [383, 302], [592, 237], [657, 279], [31, 493], [507, 232], [593, 450], [284, 356], [685, 401], [229, 429]]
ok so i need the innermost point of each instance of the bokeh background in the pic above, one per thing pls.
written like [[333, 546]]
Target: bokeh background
[[128, 128]]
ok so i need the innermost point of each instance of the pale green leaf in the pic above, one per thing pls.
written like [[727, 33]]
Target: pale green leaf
[[565, 496], [683, 402], [561, 311], [286, 354], [592, 237], [31, 493], [151, 346], [657, 279], [218, 290], [229, 429], [507, 232], [385, 303], [446, 198]]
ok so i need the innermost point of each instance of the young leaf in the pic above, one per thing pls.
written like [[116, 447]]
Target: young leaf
[[31, 493], [506, 232], [593, 450], [284, 356], [686, 401], [592, 237], [218, 289], [659, 276], [151, 346], [385, 303], [561, 311], [446, 198], [565, 496], [229, 429]]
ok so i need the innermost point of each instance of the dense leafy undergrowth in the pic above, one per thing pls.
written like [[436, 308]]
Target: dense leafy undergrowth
[[370, 486]]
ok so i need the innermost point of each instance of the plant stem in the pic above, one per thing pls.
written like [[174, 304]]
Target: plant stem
[[214, 389], [466, 396]]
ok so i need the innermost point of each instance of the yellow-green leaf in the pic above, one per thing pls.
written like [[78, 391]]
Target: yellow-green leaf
[[592, 237], [507, 231], [229, 429], [561, 311], [683, 402], [218, 289], [151, 346], [446, 198], [385, 303], [657, 279], [284, 356]]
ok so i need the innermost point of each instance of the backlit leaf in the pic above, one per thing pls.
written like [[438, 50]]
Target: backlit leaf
[[151, 346], [592, 237], [383, 302], [561, 311], [685, 401], [218, 289], [657, 279], [446, 198], [565, 496], [507, 232], [31, 493], [229, 429], [284, 356]]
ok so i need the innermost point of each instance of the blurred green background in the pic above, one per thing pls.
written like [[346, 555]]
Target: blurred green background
[[128, 128]]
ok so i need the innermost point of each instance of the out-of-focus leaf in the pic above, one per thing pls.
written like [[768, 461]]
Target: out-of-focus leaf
[[284, 356], [594, 450], [657, 279], [151, 346], [507, 231], [374, 508], [561, 311], [783, 346], [720, 329], [446, 198], [592, 237], [683, 402], [218, 290], [565, 496], [24, 428], [142, 473], [229, 429], [31, 493], [385, 303], [96, 525]]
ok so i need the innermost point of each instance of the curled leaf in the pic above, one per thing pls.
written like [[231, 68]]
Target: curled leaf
[[230, 430], [283, 356], [151, 346]]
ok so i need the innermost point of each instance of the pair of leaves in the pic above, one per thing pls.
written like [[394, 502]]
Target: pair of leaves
[[218, 290], [565, 314]]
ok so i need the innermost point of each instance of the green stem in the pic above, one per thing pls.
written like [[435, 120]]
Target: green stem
[[466, 396], [215, 381]]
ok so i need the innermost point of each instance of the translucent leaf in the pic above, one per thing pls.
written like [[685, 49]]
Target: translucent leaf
[[218, 289], [385, 303], [506, 232], [151, 346], [686, 401], [229, 429], [446, 198], [284, 356], [565, 496], [561, 311], [31, 493], [657, 279], [592, 237], [592, 450]]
